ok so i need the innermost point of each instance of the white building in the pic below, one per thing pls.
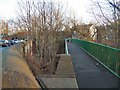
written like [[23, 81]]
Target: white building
[[93, 32]]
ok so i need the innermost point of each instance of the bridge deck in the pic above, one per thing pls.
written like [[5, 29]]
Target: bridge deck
[[88, 72]]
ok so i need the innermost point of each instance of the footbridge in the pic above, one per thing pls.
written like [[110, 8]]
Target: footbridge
[[95, 65]]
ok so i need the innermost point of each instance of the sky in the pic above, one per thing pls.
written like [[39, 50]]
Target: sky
[[80, 8], [7, 8]]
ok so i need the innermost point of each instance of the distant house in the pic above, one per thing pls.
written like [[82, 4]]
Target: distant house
[[3, 28], [81, 31], [107, 35], [93, 32], [75, 34]]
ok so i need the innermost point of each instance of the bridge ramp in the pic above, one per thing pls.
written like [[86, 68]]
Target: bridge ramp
[[89, 73]]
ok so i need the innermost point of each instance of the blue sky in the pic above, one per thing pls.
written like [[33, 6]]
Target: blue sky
[[8, 8]]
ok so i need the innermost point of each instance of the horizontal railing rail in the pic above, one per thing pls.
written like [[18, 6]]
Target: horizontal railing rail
[[107, 56]]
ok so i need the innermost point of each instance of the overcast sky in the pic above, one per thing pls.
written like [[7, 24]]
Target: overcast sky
[[7, 8], [80, 7]]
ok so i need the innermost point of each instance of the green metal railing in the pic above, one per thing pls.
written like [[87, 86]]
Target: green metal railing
[[107, 56]]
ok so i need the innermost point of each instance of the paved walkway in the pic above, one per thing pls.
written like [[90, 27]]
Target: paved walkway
[[64, 76], [88, 73]]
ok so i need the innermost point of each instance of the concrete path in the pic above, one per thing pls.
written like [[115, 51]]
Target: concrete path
[[88, 73], [64, 77]]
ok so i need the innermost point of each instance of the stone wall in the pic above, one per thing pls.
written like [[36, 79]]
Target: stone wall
[[15, 71]]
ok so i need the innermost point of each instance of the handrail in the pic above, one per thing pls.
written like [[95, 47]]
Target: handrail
[[109, 57]]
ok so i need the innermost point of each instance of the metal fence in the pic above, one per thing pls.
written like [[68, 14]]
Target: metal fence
[[108, 56]]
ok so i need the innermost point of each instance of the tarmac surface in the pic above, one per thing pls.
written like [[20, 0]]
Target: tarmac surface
[[89, 73]]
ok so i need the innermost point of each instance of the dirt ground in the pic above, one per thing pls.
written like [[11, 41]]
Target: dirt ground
[[37, 67]]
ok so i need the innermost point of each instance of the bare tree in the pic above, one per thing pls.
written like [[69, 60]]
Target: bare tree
[[107, 13], [42, 20], [73, 25]]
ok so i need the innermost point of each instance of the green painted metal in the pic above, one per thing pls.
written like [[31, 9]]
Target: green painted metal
[[108, 56]]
